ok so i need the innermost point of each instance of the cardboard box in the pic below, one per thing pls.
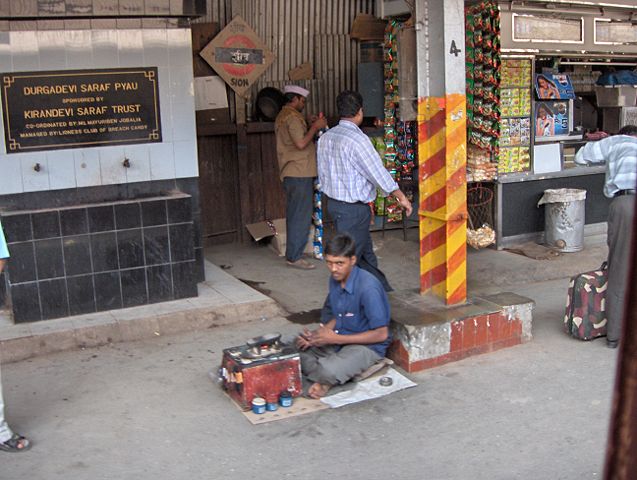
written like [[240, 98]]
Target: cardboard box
[[275, 230], [616, 118], [302, 72], [616, 96], [368, 27]]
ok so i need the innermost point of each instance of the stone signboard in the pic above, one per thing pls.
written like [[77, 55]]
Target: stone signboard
[[80, 108], [238, 55]]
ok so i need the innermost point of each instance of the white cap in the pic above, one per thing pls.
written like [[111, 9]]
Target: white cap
[[296, 89]]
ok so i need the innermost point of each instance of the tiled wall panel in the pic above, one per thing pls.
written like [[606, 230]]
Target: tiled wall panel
[[167, 49], [92, 258]]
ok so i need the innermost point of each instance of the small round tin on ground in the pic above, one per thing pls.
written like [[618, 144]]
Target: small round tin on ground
[[385, 381], [258, 405], [271, 407], [271, 400], [285, 399]]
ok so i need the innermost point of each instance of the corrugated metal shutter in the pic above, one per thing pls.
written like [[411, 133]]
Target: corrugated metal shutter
[[298, 31]]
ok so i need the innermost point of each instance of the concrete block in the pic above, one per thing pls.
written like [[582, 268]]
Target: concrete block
[[16, 349], [138, 329], [54, 341], [47, 326], [97, 335], [177, 322], [428, 339], [9, 332], [422, 343], [524, 313]]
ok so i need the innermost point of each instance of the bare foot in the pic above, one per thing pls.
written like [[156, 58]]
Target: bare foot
[[318, 390]]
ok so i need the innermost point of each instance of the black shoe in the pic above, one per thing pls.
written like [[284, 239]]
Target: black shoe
[[612, 343]]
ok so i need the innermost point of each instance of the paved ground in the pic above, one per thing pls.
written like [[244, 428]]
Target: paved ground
[[147, 410], [488, 270]]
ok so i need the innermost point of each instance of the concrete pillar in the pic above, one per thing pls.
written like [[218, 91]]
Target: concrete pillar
[[442, 148]]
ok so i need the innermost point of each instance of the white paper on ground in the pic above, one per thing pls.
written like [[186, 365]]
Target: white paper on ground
[[368, 389]]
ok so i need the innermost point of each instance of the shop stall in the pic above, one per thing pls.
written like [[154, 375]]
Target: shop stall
[[534, 97]]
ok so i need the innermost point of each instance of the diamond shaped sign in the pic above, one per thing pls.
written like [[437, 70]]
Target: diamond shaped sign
[[238, 55]]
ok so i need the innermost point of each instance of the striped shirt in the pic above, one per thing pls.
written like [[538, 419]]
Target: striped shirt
[[620, 154], [349, 167]]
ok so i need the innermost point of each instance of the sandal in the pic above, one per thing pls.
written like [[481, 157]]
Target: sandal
[[17, 443]]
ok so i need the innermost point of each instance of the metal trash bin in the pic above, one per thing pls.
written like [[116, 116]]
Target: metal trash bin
[[564, 218]]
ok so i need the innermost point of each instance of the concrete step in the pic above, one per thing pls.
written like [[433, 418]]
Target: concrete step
[[222, 300], [427, 333]]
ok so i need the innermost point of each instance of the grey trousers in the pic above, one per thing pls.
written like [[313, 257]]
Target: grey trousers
[[619, 238], [327, 366], [5, 431]]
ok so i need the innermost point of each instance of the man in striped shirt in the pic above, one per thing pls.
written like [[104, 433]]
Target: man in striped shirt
[[350, 170], [620, 155]]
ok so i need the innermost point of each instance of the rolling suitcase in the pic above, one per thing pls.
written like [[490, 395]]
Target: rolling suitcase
[[585, 316]]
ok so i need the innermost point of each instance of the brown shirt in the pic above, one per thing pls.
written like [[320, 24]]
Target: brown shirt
[[290, 126]]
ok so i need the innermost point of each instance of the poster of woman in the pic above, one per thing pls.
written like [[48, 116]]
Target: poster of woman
[[546, 88], [550, 86], [544, 121]]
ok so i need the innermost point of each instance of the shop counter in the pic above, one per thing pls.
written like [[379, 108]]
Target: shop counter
[[518, 219]]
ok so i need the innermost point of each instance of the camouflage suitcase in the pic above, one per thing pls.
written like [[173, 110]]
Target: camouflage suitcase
[[585, 316]]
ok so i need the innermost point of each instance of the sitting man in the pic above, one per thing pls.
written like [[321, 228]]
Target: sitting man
[[354, 329]]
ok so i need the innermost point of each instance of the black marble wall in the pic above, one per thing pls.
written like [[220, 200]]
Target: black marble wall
[[80, 259], [113, 193]]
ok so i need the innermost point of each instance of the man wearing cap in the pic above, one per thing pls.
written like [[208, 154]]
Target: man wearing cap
[[297, 164], [619, 153]]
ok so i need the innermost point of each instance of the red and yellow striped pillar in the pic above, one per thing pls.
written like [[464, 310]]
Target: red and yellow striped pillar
[[442, 145]]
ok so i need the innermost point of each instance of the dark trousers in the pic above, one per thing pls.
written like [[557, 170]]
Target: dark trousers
[[354, 219], [619, 238], [299, 193]]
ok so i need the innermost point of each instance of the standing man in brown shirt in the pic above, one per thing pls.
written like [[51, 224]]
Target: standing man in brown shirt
[[297, 165]]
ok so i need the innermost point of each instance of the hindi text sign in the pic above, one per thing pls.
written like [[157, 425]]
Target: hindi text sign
[[238, 55]]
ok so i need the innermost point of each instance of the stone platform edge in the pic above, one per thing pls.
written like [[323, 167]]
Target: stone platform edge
[[23, 341], [419, 347]]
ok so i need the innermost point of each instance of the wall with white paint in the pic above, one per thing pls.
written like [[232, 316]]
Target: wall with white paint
[[167, 49]]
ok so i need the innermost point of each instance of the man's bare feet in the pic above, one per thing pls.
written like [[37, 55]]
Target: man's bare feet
[[318, 390]]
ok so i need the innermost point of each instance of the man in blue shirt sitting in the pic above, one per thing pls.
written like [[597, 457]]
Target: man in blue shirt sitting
[[354, 329]]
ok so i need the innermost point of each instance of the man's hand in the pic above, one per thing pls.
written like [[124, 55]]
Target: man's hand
[[302, 341], [406, 204], [403, 201], [319, 123], [323, 336]]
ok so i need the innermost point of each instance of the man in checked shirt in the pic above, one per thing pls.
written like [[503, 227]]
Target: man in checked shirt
[[350, 170], [619, 152]]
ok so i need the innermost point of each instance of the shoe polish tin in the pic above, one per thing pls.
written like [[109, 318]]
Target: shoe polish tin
[[258, 405], [285, 400]]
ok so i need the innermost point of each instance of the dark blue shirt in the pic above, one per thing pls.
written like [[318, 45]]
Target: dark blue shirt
[[359, 307]]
